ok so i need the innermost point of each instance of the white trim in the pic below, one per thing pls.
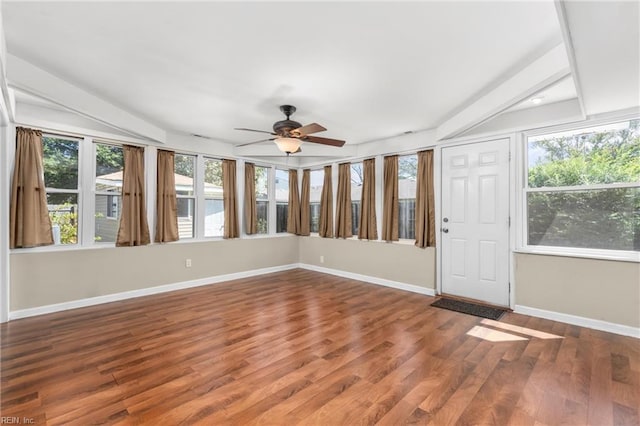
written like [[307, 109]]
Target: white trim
[[373, 280], [592, 187], [81, 303], [583, 253], [610, 327]]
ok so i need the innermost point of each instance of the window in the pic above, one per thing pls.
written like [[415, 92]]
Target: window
[[407, 172], [61, 181], [262, 199], [582, 188], [108, 186], [185, 193], [213, 201], [357, 177], [282, 199], [315, 194]]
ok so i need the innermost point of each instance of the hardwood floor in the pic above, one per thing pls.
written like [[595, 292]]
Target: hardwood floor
[[300, 347]]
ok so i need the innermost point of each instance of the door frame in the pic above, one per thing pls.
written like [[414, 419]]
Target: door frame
[[515, 150]]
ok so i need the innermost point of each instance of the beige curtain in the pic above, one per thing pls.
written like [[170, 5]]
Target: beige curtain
[[425, 201], [368, 226], [390, 201], [134, 229], [325, 227], [305, 204], [293, 217], [30, 225], [231, 228], [250, 212], [343, 202], [166, 203]]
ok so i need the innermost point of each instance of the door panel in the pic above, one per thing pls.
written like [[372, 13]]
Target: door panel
[[475, 221]]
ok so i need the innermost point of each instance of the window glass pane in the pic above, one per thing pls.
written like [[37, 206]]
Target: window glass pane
[[282, 199], [262, 183], [184, 171], [599, 219], [60, 162], [214, 218], [185, 217], [262, 199], [407, 172], [63, 211], [598, 155], [357, 178], [107, 218], [109, 167], [316, 183], [212, 178], [262, 210]]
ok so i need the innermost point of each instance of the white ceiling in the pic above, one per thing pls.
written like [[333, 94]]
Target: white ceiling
[[560, 91], [366, 71]]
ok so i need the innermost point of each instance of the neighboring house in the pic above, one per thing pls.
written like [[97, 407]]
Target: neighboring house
[[108, 207]]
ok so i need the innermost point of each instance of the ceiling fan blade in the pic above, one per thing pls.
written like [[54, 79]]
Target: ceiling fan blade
[[310, 128], [253, 130], [255, 142], [324, 141]]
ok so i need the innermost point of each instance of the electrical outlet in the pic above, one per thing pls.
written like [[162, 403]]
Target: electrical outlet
[[321, 259], [187, 263]]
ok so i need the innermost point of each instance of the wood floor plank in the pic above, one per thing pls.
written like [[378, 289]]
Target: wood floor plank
[[302, 347]]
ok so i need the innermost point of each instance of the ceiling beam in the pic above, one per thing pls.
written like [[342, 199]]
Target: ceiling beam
[[539, 74], [571, 56], [23, 76]]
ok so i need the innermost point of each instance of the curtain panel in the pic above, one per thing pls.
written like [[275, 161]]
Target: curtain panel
[[305, 204], [390, 201], [368, 225], [250, 209], [343, 202], [425, 202], [231, 228], [166, 201], [293, 216], [30, 224], [325, 227], [133, 229]]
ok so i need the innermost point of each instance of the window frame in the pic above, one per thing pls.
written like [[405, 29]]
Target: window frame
[[523, 245], [321, 171], [408, 154], [81, 233], [198, 182], [270, 199], [275, 201], [200, 194], [95, 192]]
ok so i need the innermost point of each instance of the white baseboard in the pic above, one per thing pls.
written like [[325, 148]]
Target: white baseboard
[[624, 330], [64, 306], [373, 280]]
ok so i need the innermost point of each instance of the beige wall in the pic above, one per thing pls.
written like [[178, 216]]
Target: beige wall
[[45, 278], [598, 289], [403, 263]]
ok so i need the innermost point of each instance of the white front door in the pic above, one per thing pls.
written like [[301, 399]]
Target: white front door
[[475, 221]]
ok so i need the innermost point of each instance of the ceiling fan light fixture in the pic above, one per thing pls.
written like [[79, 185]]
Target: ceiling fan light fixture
[[288, 145]]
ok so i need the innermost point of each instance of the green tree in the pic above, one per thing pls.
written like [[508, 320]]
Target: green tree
[[606, 218]]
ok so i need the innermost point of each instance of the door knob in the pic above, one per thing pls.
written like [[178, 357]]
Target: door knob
[[445, 230]]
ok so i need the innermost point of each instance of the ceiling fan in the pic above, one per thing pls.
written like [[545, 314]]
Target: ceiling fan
[[289, 134]]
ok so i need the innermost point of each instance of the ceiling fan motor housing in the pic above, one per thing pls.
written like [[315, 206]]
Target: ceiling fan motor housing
[[285, 126]]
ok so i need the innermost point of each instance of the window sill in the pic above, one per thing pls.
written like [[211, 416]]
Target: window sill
[[619, 256], [106, 245]]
